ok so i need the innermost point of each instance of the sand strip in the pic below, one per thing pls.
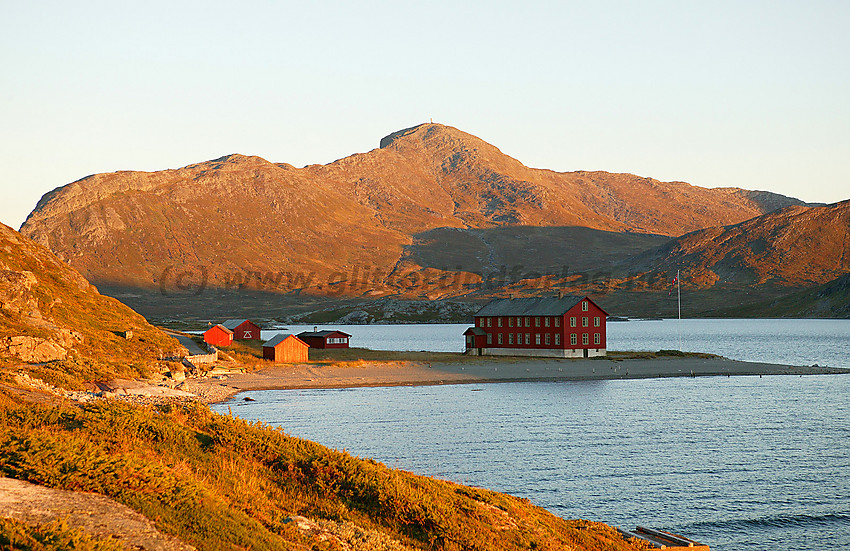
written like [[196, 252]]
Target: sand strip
[[481, 370]]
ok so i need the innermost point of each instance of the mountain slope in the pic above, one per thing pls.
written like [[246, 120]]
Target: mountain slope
[[50, 313], [238, 219], [795, 246]]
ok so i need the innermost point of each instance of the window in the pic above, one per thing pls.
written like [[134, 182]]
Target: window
[[596, 321], [519, 322], [584, 321], [573, 338], [528, 322], [528, 338], [489, 322], [546, 321], [537, 338], [500, 336], [584, 306], [510, 338], [510, 322], [537, 321], [572, 321], [585, 338], [489, 338], [337, 340], [480, 322], [548, 338], [597, 338], [519, 338], [499, 322], [557, 338], [557, 322]]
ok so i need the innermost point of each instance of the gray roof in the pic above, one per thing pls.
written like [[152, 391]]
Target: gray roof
[[277, 339], [233, 324], [475, 331], [321, 334], [539, 306]]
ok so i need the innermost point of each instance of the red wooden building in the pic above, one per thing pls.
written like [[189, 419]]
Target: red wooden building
[[560, 327], [325, 339], [243, 330], [285, 347], [218, 335]]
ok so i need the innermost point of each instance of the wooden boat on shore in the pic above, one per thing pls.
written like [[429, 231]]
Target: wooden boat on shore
[[664, 540]]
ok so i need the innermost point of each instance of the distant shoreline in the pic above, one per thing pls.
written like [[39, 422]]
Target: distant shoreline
[[488, 370]]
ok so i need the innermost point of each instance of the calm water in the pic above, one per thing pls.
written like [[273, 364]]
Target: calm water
[[790, 342], [737, 463]]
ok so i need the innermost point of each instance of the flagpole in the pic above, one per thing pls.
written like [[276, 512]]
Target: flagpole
[[679, 300]]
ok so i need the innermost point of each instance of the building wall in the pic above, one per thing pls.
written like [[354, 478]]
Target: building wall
[[559, 330], [247, 331], [216, 337], [290, 350], [540, 353], [319, 342]]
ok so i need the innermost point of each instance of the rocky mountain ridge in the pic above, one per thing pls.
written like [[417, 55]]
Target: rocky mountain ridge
[[239, 221]]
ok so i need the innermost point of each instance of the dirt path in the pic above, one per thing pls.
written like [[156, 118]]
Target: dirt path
[[191, 345], [94, 514]]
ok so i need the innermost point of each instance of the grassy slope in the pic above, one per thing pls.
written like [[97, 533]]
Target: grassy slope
[[221, 483], [62, 299]]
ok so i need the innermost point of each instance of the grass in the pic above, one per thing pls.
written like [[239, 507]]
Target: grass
[[19, 536], [222, 483]]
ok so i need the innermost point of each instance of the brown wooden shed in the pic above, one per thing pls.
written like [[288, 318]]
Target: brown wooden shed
[[284, 348]]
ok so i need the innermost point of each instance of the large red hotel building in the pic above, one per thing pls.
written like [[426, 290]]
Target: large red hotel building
[[558, 327]]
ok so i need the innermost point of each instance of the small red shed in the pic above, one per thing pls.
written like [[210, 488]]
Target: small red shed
[[218, 335], [475, 338], [325, 339], [285, 347], [243, 330]]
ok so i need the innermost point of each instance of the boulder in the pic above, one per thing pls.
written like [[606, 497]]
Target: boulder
[[33, 349]]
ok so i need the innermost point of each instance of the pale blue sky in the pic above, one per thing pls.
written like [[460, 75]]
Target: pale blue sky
[[754, 94]]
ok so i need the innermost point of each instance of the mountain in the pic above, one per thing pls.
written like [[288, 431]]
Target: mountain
[[50, 313], [372, 224], [791, 247]]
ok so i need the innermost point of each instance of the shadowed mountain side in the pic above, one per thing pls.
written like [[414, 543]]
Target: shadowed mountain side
[[830, 300], [319, 227], [523, 250]]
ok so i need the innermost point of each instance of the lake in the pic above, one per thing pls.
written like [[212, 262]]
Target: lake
[[783, 341], [737, 463]]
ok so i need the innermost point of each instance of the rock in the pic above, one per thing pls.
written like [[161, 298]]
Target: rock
[[33, 349], [177, 376]]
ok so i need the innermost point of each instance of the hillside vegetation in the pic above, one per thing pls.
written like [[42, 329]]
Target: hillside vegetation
[[56, 325], [221, 483]]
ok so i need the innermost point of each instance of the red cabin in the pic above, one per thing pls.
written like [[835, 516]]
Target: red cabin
[[218, 335], [325, 339], [560, 327], [284, 348], [243, 330]]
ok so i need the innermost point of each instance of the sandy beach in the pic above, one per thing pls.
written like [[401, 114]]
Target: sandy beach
[[480, 370]]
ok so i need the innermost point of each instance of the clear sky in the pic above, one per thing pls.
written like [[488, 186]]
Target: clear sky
[[754, 94]]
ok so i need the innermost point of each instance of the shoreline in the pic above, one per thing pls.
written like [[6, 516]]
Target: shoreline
[[482, 371]]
